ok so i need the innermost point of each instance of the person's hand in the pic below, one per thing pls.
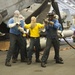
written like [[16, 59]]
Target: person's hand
[[51, 23], [25, 32], [17, 23], [44, 23]]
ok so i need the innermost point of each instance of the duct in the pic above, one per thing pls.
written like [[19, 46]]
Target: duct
[[56, 8]]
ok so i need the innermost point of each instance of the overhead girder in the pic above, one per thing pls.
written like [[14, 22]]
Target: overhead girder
[[56, 9]]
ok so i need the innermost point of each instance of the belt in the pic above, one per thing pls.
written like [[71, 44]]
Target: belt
[[34, 37]]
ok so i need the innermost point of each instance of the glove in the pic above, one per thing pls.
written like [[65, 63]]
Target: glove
[[25, 32], [18, 23], [52, 23], [12, 25], [22, 30]]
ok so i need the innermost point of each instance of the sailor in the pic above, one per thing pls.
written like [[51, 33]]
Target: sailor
[[17, 50], [34, 29], [52, 39], [15, 37]]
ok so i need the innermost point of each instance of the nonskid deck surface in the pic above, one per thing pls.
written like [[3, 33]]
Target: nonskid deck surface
[[19, 68], [68, 68]]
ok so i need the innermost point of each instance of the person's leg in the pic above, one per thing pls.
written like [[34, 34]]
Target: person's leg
[[37, 47], [59, 55], [21, 44], [56, 45], [15, 53], [30, 51], [46, 52], [25, 48], [11, 48]]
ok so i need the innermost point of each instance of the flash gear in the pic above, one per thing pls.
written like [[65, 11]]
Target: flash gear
[[50, 14], [49, 18]]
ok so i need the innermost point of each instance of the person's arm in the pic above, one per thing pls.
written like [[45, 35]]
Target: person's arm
[[27, 26], [60, 27], [56, 24], [41, 25], [11, 23], [22, 23], [21, 28]]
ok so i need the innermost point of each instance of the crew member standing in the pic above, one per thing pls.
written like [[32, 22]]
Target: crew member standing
[[52, 39], [34, 29], [15, 37], [17, 48]]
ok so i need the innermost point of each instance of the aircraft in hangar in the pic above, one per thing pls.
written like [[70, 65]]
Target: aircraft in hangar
[[8, 9]]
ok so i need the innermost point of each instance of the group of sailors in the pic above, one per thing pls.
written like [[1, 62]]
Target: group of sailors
[[18, 42]]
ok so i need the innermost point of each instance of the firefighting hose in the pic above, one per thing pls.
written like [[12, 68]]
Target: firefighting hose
[[67, 41]]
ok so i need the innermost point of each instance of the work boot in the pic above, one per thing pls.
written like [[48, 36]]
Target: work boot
[[29, 61], [24, 60], [7, 64], [59, 58], [43, 64], [14, 60], [38, 61], [59, 62]]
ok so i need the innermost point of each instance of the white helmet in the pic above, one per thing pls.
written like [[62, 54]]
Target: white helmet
[[16, 13]]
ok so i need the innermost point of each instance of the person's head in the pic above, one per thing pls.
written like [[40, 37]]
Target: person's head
[[16, 13], [33, 22], [56, 16], [50, 16], [33, 19], [21, 17]]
